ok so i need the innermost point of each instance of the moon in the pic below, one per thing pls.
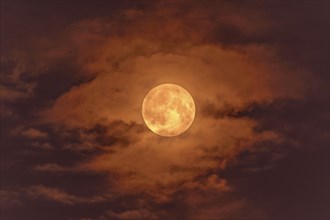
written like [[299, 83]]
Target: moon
[[168, 110]]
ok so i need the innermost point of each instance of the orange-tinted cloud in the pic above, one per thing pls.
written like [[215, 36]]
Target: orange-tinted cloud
[[33, 133], [58, 195], [9, 198], [129, 214], [52, 167], [73, 85], [127, 61]]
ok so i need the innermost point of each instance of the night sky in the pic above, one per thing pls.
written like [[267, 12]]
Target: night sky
[[74, 144]]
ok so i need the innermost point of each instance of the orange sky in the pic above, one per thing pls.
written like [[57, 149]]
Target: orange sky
[[72, 96]]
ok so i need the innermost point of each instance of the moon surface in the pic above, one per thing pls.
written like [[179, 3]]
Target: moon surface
[[168, 110]]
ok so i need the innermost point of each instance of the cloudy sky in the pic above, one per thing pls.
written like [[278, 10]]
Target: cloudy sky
[[73, 141]]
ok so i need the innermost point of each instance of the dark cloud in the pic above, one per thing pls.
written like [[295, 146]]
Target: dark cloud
[[73, 141]]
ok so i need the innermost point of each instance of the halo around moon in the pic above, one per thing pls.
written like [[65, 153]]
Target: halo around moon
[[168, 110]]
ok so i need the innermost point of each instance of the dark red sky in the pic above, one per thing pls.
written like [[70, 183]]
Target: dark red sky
[[73, 141]]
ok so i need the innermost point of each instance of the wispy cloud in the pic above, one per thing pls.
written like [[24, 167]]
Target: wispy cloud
[[33, 133], [129, 214], [59, 195], [53, 167], [9, 198], [77, 93], [223, 81]]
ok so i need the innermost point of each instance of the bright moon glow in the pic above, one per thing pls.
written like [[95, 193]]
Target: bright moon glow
[[168, 110]]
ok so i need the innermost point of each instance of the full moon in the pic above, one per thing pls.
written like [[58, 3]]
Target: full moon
[[168, 110]]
